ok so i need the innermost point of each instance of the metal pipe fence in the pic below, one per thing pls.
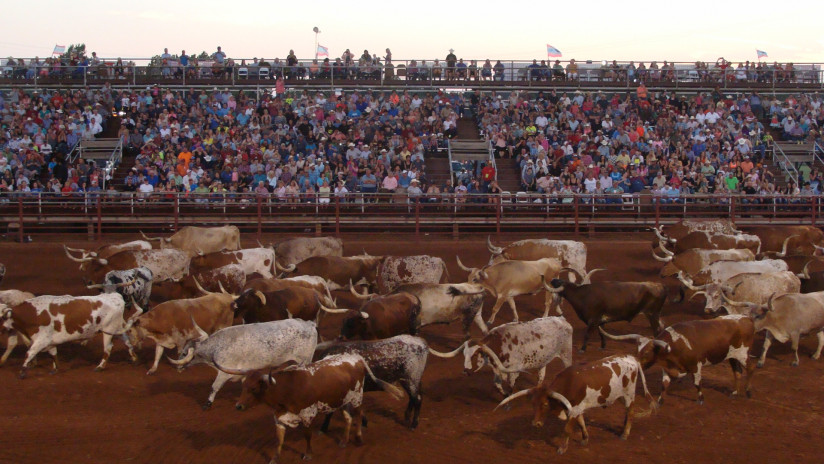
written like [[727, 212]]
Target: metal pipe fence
[[102, 214]]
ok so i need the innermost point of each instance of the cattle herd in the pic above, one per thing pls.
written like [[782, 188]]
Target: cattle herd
[[253, 316]]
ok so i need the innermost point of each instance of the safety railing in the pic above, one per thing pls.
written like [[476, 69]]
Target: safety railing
[[781, 160], [415, 73], [98, 214]]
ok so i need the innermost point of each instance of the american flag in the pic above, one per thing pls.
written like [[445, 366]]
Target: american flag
[[59, 50], [322, 51], [552, 52], [761, 53]]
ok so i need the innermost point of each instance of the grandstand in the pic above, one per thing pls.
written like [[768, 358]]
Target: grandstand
[[103, 146]]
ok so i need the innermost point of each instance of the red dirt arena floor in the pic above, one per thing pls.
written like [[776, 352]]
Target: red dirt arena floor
[[122, 415]]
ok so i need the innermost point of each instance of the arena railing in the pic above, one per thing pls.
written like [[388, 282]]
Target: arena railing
[[101, 214], [401, 73]]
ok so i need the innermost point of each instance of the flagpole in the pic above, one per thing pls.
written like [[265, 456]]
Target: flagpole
[[316, 31]]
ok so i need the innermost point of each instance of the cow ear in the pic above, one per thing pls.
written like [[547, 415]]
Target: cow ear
[[364, 315]]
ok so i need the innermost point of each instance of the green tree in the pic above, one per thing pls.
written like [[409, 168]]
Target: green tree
[[74, 49]]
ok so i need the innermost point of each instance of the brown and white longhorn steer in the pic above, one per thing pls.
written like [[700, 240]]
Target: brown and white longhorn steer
[[580, 388]]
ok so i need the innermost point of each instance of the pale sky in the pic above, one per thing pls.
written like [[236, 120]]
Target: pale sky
[[510, 30]]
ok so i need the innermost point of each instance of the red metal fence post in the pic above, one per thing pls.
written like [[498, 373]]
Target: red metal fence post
[[177, 209], [337, 216], [20, 219], [259, 216], [99, 219], [498, 206], [657, 202], [815, 208], [575, 204], [732, 209], [417, 218]]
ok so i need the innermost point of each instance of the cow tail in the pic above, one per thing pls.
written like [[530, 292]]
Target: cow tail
[[414, 315], [445, 277], [653, 404], [385, 386]]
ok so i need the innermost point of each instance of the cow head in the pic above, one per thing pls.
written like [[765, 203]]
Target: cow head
[[476, 275], [254, 387], [355, 325], [249, 300], [474, 359]]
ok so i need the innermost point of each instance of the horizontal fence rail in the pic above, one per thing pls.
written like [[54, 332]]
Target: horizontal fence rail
[[103, 214], [413, 73]]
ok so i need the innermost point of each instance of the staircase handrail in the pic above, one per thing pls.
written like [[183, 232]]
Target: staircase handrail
[[784, 163], [112, 162], [816, 150], [449, 154]]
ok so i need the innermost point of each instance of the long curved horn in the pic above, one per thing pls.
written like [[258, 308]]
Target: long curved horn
[[231, 371], [574, 271], [688, 282], [150, 239], [805, 273], [76, 250], [199, 252], [223, 290], [783, 252], [76, 260], [661, 236], [261, 297], [550, 288], [452, 353], [658, 258], [199, 287], [287, 269], [498, 364], [513, 396], [260, 245], [492, 248], [662, 344], [819, 249], [562, 399], [738, 304], [699, 292], [664, 248], [589, 274], [202, 335], [770, 301], [461, 265], [120, 285], [190, 354], [361, 296], [333, 310], [620, 338]]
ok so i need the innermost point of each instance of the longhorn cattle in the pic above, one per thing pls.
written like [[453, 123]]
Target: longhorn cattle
[[107, 251], [49, 321], [251, 260], [201, 240], [381, 317], [231, 278], [339, 272], [684, 348], [803, 239], [672, 233], [315, 283], [797, 263], [400, 359], [706, 241], [603, 302], [693, 261], [508, 279], [715, 274], [578, 389], [298, 249], [164, 264], [248, 347], [300, 394], [518, 346], [176, 323], [752, 287], [788, 317], [445, 303], [570, 253], [256, 306], [133, 283], [398, 270], [11, 298]]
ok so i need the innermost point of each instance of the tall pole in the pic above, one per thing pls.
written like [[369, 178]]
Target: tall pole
[[316, 31]]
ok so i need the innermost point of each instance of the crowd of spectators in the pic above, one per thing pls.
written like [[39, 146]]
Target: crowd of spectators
[[597, 144]]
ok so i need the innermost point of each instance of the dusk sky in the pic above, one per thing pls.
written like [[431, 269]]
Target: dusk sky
[[700, 30]]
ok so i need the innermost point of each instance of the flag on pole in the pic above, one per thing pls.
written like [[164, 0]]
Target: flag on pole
[[761, 54], [59, 50], [552, 52], [322, 51]]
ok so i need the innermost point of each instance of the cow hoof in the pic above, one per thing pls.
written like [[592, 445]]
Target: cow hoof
[[794, 364], [585, 441], [98, 369], [413, 426], [134, 360], [206, 405], [582, 350], [21, 375], [342, 444], [760, 364], [700, 402], [53, 371], [623, 437], [358, 441], [561, 450], [151, 372], [749, 394], [306, 457]]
